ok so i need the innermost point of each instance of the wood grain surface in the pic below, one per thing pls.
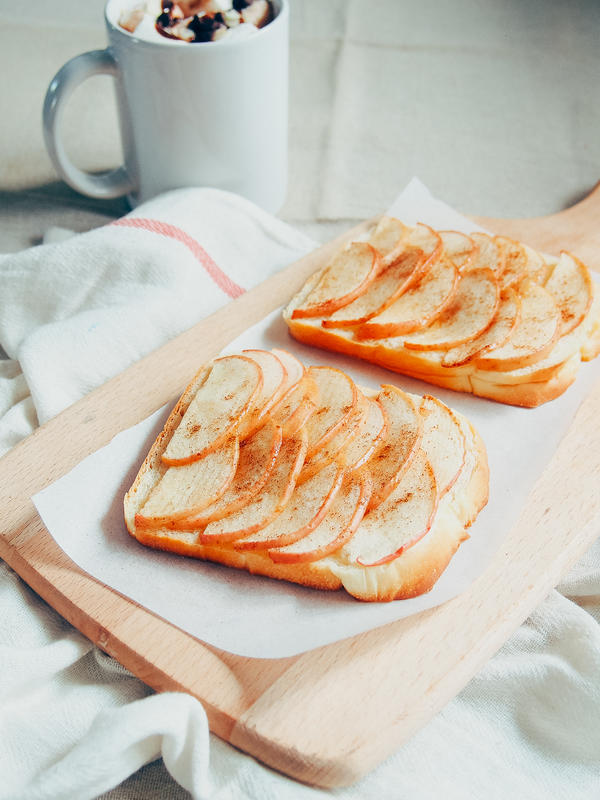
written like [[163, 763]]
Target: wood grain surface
[[330, 715]]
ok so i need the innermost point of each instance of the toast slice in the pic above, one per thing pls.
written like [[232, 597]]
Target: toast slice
[[515, 328], [400, 480]]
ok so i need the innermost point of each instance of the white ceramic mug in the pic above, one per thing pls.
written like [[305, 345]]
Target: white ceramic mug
[[210, 114]]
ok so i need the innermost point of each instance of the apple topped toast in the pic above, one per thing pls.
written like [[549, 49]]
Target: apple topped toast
[[299, 474], [481, 314]]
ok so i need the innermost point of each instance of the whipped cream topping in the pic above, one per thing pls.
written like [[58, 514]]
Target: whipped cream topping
[[195, 21]]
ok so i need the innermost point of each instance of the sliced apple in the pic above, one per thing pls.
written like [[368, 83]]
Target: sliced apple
[[183, 491], [389, 239], [297, 405], [423, 248], [389, 284], [337, 526], [272, 390], [258, 456], [369, 436], [399, 522], [267, 504], [338, 397], [566, 349], [520, 262], [305, 510], [425, 239], [337, 445], [570, 284], [394, 455], [533, 337], [345, 278], [459, 248], [294, 369], [302, 413], [515, 261], [418, 306], [549, 263], [469, 314], [443, 442], [489, 254], [538, 267], [216, 410], [505, 321]]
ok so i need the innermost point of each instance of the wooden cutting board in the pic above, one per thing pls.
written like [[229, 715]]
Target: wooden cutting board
[[330, 715]]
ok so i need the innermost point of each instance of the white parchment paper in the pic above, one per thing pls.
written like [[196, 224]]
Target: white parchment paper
[[260, 617]]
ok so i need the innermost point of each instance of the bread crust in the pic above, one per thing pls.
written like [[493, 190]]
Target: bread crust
[[410, 574]]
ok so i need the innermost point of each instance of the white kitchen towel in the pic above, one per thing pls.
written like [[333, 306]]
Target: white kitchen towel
[[73, 723], [78, 312]]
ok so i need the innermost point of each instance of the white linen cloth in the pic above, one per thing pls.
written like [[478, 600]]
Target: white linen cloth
[[73, 723]]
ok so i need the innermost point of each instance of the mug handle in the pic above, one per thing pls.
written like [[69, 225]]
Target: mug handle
[[108, 185]]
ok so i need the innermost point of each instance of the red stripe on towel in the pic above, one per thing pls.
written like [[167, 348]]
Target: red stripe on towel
[[222, 280]]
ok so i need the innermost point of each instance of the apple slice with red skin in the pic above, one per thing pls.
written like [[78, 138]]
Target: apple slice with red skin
[[394, 455], [258, 456], [305, 509], [388, 285], [369, 436], [338, 398], [506, 319], [538, 267], [470, 313], [389, 239], [418, 307], [549, 262], [216, 410], [294, 369], [443, 442], [298, 419], [459, 248], [534, 336], [186, 490], [423, 248], [297, 405], [570, 284], [489, 253], [514, 259], [267, 504], [346, 277], [520, 263], [336, 447], [336, 528], [401, 521], [300, 396], [272, 390]]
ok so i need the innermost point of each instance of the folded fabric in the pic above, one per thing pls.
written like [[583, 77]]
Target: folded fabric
[[78, 312], [73, 723]]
